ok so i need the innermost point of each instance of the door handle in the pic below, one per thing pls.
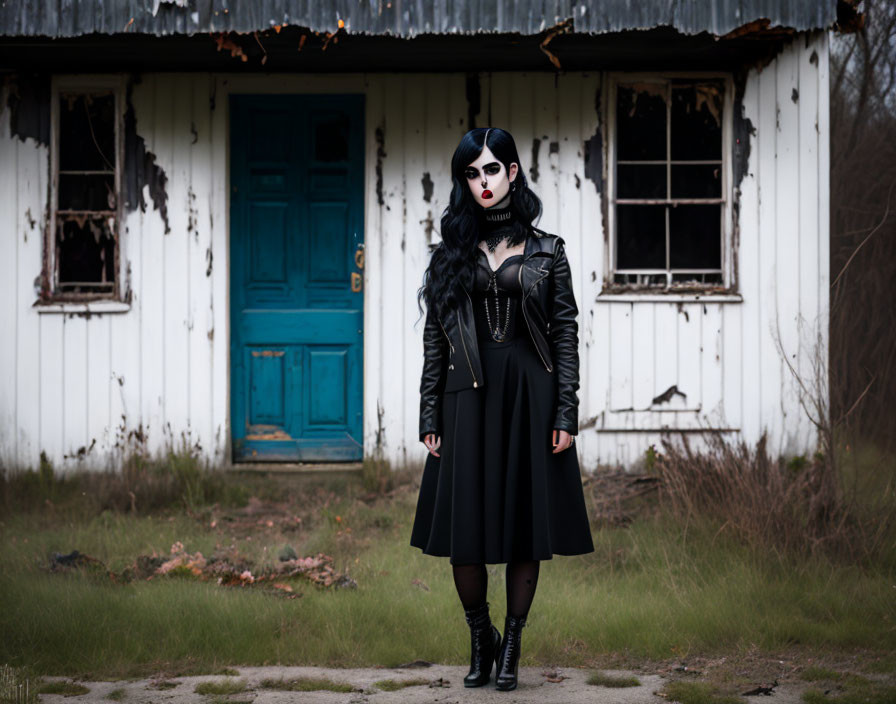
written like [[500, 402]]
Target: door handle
[[356, 281], [359, 256]]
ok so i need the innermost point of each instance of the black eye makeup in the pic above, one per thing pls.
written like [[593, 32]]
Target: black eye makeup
[[490, 169]]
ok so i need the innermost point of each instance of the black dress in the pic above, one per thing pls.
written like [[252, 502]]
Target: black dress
[[497, 493]]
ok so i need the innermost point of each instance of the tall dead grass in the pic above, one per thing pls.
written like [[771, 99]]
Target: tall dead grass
[[797, 506]]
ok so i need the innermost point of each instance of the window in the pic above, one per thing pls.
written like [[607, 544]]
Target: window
[[668, 183], [82, 252]]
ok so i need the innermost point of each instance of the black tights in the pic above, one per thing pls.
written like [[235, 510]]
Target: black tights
[[522, 579]]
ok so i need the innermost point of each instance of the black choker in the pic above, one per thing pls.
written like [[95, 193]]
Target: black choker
[[498, 215]]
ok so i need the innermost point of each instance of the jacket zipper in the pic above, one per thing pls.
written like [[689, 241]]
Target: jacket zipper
[[450, 346], [472, 373], [523, 307]]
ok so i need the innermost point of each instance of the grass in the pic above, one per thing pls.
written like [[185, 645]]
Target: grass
[[395, 685], [697, 693], [228, 686], [602, 679], [66, 689], [658, 589], [306, 684]]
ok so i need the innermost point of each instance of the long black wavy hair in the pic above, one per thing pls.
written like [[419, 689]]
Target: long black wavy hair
[[452, 263]]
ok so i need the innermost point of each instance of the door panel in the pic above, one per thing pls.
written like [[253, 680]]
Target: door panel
[[296, 324]]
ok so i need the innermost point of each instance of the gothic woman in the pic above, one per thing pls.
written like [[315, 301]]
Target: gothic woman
[[498, 398]]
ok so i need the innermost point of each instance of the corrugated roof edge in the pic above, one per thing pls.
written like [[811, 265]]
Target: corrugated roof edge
[[72, 18]]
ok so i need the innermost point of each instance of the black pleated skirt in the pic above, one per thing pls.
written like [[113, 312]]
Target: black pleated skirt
[[497, 493]]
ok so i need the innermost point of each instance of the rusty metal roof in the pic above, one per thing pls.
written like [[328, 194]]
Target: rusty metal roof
[[402, 18]]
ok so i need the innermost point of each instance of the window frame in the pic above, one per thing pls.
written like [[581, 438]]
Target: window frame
[[50, 293], [728, 285]]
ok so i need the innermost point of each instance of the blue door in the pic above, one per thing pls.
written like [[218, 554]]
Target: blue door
[[296, 260]]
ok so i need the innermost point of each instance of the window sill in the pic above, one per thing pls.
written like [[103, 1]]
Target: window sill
[[83, 308], [647, 297]]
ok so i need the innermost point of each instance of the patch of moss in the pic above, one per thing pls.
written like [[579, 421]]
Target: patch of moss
[[697, 693], [306, 684], [395, 685], [164, 684], [602, 679], [228, 686], [65, 688]]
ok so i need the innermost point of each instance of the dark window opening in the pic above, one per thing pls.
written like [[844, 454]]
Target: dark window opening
[[668, 191], [86, 208], [85, 254]]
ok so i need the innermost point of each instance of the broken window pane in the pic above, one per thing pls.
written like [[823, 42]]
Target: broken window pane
[[85, 254], [86, 196], [697, 121], [641, 121], [87, 132]]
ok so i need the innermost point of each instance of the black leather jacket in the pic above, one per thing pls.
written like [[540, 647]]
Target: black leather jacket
[[451, 352]]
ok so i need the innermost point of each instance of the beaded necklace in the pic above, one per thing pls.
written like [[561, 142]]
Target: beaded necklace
[[498, 331]]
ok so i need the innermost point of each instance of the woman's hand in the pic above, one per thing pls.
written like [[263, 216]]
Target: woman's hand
[[562, 442], [433, 442]]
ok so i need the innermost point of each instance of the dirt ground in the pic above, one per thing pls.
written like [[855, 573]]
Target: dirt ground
[[444, 685]]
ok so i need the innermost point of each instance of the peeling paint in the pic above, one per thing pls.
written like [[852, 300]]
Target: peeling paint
[[192, 214], [533, 170], [28, 99], [554, 148], [208, 261], [140, 168], [795, 96], [594, 167], [743, 129], [667, 395], [380, 136], [380, 430], [427, 186], [428, 225]]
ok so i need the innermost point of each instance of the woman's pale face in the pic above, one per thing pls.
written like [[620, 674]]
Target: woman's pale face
[[488, 180]]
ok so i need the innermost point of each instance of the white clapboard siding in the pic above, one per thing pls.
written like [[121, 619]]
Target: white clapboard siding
[[87, 390]]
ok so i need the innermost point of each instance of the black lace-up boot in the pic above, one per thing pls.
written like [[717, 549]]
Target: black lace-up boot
[[509, 654], [485, 640]]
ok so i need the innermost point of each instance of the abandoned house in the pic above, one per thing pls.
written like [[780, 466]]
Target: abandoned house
[[215, 216]]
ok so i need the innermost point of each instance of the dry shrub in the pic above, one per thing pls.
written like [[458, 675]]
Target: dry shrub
[[174, 479], [796, 506]]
